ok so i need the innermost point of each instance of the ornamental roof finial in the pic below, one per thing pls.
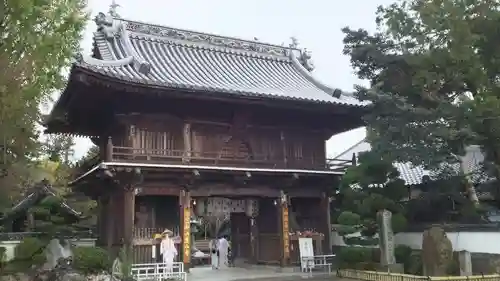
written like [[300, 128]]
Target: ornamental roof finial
[[295, 43], [112, 9]]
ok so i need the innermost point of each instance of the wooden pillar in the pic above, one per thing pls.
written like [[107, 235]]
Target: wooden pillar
[[252, 212], [102, 221], [327, 227], [128, 219], [185, 219], [110, 227], [283, 145], [187, 142], [109, 150], [284, 230]]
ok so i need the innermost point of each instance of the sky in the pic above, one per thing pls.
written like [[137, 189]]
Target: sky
[[315, 23]]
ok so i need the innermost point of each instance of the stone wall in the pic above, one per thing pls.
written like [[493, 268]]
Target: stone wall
[[11, 245], [482, 263]]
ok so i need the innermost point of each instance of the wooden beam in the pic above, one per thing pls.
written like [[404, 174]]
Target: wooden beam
[[187, 142]]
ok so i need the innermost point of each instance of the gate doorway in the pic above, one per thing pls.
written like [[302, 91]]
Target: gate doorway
[[240, 236]]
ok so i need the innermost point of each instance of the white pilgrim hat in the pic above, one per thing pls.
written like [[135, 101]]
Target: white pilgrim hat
[[167, 231]]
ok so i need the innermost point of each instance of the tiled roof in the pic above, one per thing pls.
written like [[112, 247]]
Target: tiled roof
[[412, 175], [180, 59]]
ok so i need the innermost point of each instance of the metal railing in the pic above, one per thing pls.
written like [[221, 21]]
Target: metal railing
[[385, 276]]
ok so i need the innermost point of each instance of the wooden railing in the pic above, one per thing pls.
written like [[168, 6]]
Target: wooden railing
[[182, 157]]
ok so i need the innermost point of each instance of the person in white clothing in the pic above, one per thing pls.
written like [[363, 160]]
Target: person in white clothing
[[214, 253], [223, 252], [168, 250]]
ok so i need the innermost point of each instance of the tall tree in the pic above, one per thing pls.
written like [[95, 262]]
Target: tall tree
[[59, 147], [38, 40], [433, 68], [372, 186]]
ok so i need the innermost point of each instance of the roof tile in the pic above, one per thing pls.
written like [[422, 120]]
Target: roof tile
[[173, 58]]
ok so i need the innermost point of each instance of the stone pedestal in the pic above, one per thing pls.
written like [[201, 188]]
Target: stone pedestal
[[465, 261]]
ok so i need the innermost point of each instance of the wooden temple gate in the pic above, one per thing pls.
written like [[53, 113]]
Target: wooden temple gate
[[260, 229], [162, 148]]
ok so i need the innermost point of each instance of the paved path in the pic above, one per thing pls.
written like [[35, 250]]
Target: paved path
[[252, 274]]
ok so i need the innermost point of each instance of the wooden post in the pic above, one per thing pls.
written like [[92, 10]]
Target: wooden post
[[254, 232], [185, 212], [187, 143], [110, 227], [128, 219], [283, 144], [251, 211], [102, 221], [327, 228], [284, 232], [109, 150]]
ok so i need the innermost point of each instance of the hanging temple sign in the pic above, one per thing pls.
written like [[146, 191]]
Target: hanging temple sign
[[115, 28]]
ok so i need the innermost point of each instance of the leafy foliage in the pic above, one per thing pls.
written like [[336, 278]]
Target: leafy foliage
[[353, 257], [27, 254], [433, 70], [125, 256], [372, 186], [91, 260], [51, 220], [59, 148], [38, 41]]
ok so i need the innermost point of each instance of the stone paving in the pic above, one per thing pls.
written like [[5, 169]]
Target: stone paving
[[254, 274]]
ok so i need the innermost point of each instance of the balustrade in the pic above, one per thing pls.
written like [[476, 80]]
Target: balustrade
[[183, 157]]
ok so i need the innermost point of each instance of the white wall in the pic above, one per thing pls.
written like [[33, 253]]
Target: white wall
[[474, 242]]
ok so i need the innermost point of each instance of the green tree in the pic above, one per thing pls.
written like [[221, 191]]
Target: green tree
[[59, 148], [433, 70], [39, 39], [372, 186]]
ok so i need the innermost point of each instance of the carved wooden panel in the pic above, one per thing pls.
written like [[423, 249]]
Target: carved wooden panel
[[235, 148]]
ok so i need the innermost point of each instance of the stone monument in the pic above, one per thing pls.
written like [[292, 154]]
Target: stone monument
[[437, 252], [386, 241], [116, 270], [386, 238]]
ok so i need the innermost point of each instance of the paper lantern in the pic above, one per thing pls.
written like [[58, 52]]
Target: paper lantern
[[252, 208], [200, 207]]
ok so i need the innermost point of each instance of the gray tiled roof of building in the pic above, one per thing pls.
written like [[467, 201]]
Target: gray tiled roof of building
[[412, 175], [180, 59]]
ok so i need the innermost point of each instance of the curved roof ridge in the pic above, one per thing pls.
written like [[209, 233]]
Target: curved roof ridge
[[210, 38], [117, 30], [334, 92], [207, 46]]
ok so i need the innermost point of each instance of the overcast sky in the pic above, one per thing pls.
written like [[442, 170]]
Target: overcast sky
[[315, 23]]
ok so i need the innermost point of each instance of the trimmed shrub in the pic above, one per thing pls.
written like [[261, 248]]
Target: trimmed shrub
[[28, 254], [403, 255], [355, 257], [91, 260]]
